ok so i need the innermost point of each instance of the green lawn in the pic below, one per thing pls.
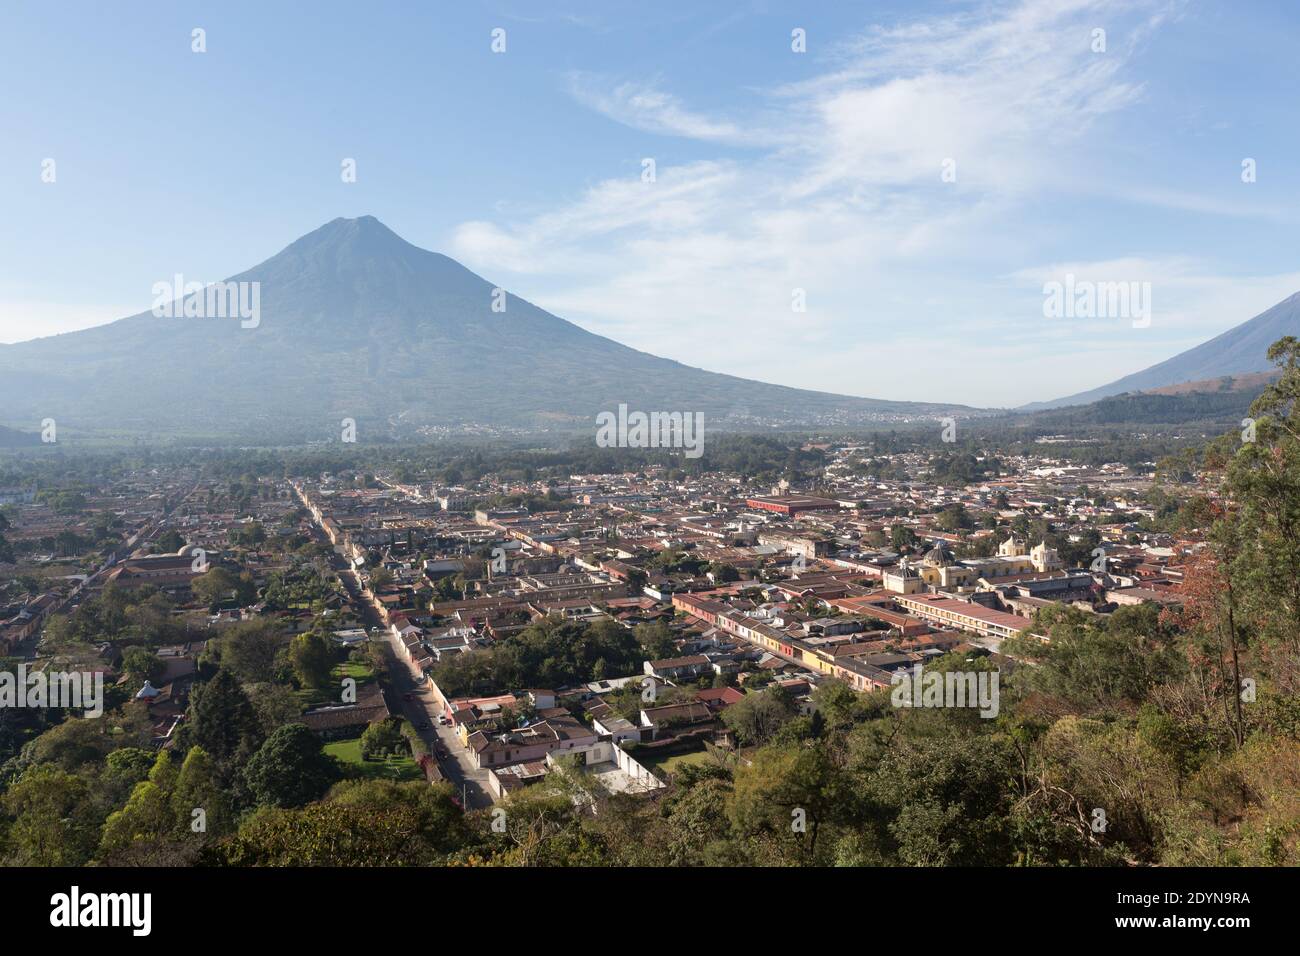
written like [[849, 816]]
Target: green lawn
[[672, 764], [393, 768], [362, 673]]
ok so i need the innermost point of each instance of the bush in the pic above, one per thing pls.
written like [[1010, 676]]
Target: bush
[[382, 739], [413, 741]]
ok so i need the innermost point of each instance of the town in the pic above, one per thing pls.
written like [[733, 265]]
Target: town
[[549, 445], [682, 619]]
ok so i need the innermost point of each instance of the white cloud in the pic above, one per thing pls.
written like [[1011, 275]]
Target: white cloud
[[678, 203], [845, 200], [645, 107], [1190, 303]]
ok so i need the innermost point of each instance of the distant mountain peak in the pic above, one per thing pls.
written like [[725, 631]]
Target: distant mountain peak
[[355, 322], [364, 233], [361, 226], [1242, 350]]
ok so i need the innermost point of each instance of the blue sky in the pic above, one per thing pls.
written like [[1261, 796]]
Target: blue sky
[[775, 170]]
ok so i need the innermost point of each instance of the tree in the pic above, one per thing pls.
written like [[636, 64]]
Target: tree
[[163, 773], [1087, 765], [250, 536], [147, 816], [544, 828], [213, 587], [784, 796], [382, 738], [756, 717], [838, 703], [198, 787], [548, 653], [944, 800], [902, 538], [437, 820], [222, 721], [169, 542], [656, 640], [1259, 536], [130, 763], [54, 824], [249, 650], [699, 828], [312, 659], [723, 572], [290, 769], [954, 517], [327, 834], [142, 664], [275, 704], [1098, 663]]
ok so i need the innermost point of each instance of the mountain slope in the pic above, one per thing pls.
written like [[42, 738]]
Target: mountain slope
[[355, 322], [11, 438], [1221, 402], [1240, 350]]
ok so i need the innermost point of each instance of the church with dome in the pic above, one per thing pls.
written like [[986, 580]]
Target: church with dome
[[939, 570]]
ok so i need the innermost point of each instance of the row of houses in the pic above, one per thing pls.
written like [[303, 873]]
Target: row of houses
[[861, 664], [27, 620]]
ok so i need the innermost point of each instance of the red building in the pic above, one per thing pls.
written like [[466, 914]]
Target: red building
[[790, 505]]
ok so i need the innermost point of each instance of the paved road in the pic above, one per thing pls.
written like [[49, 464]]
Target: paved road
[[458, 768]]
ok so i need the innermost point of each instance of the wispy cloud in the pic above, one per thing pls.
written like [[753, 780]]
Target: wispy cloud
[[645, 107], [1189, 299], [892, 190]]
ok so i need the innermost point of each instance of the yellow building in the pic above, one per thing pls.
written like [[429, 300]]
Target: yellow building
[[940, 570]]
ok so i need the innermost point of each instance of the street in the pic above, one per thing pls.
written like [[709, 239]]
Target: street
[[423, 708], [457, 767]]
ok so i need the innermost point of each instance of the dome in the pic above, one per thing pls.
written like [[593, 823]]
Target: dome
[[938, 555]]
